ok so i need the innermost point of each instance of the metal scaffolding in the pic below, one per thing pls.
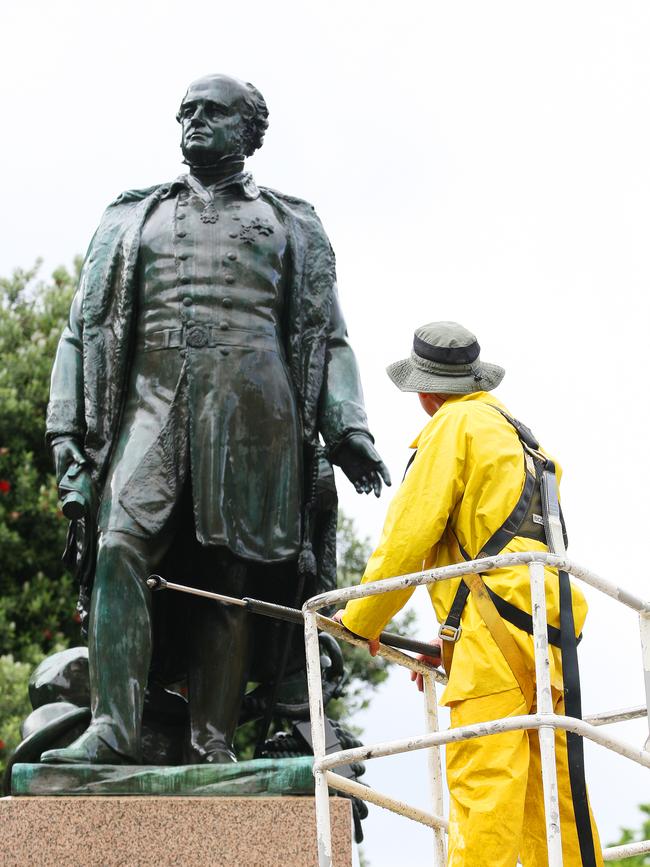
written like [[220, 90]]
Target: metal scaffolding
[[544, 720]]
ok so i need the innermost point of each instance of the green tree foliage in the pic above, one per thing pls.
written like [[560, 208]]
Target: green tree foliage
[[37, 596], [363, 672], [630, 836]]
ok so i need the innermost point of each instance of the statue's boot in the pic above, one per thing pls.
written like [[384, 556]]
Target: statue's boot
[[220, 654], [119, 653], [89, 749]]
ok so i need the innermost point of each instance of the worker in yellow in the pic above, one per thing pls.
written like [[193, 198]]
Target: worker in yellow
[[474, 487]]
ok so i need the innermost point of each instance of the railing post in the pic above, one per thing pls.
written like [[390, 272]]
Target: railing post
[[317, 718], [544, 707], [435, 770], [644, 626]]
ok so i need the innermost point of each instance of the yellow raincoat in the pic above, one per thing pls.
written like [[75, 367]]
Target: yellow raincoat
[[465, 480]]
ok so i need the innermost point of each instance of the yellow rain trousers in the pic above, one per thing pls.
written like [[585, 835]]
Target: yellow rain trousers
[[466, 478]]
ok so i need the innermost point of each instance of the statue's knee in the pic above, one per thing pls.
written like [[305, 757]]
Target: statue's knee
[[120, 554]]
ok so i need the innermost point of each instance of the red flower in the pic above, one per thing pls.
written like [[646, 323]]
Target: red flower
[[47, 634], [2, 745], [76, 617], [5, 486]]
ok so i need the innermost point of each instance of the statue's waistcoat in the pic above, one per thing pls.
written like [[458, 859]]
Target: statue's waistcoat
[[210, 397]]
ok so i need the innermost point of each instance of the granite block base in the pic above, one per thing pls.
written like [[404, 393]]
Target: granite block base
[[164, 831]]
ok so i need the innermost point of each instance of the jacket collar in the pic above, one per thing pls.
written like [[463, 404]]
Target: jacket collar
[[242, 181], [478, 396]]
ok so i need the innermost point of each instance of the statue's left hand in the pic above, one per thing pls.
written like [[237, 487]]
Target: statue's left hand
[[360, 461]]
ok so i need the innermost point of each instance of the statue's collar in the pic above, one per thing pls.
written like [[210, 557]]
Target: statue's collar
[[242, 180]]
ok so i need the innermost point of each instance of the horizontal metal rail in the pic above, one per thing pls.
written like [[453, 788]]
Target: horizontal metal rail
[[616, 853], [325, 624], [481, 730], [475, 567], [614, 716], [350, 787], [544, 721]]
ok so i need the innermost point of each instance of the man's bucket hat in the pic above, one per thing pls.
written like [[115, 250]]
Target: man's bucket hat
[[445, 360]]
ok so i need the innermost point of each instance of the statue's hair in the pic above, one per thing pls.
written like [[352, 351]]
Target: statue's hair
[[256, 125]]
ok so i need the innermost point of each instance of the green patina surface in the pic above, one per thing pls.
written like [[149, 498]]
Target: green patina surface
[[291, 776]]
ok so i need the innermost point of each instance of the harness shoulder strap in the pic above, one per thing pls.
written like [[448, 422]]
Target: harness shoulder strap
[[525, 519], [409, 462]]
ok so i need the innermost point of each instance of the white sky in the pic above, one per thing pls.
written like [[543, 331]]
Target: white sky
[[485, 162]]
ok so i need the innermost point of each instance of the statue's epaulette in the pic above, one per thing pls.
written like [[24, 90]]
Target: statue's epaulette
[[129, 196], [294, 201]]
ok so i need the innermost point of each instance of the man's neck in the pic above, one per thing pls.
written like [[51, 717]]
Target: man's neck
[[213, 174]]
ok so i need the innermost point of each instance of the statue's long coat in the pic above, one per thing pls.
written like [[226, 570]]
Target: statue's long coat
[[90, 376]]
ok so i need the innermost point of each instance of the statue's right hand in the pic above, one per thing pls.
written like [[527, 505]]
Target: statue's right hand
[[76, 486], [66, 452]]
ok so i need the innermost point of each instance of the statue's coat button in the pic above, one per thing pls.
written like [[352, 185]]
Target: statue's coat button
[[197, 337], [224, 326], [230, 279], [187, 301], [224, 351], [181, 234], [232, 234], [180, 216], [232, 256], [227, 303], [182, 256]]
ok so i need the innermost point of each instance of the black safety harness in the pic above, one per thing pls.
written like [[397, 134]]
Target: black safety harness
[[536, 511]]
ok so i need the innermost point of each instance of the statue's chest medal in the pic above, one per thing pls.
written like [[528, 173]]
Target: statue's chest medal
[[250, 229], [209, 214], [256, 227]]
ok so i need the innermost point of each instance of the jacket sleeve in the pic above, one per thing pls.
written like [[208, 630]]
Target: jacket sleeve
[[416, 520], [65, 411], [341, 410]]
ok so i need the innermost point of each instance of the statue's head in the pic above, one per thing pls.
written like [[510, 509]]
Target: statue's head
[[221, 117]]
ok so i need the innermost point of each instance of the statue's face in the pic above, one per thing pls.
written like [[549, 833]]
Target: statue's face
[[212, 117]]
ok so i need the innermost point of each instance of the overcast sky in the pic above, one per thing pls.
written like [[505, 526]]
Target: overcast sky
[[484, 162]]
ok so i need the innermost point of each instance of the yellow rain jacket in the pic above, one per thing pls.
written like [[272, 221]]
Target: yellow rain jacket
[[466, 478]]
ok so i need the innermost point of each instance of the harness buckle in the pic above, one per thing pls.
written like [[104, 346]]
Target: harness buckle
[[449, 633]]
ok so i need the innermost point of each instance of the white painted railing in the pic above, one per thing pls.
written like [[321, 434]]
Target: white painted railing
[[545, 721]]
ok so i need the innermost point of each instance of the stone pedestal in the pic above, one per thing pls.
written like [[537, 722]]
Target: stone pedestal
[[137, 831]]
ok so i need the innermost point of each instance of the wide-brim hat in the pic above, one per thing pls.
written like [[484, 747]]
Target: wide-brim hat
[[445, 359]]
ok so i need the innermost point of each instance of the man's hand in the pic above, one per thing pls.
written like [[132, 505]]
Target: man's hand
[[66, 452], [360, 461], [373, 643], [434, 661]]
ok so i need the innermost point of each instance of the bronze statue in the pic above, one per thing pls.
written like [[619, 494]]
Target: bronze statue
[[204, 359]]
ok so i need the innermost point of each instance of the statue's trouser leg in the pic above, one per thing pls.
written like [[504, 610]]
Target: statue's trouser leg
[[220, 644], [120, 637]]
